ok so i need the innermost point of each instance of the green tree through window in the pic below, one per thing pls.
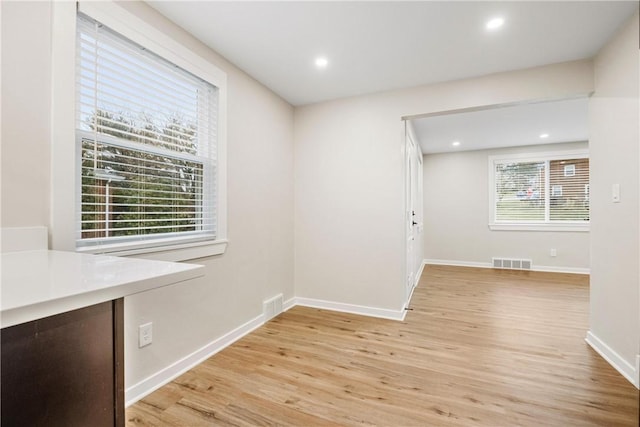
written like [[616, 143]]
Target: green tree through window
[[155, 193], [146, 135]]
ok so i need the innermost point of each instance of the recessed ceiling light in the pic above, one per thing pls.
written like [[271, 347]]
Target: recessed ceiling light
[[495, 23], [455, 143], [322, 62], [544, 135]]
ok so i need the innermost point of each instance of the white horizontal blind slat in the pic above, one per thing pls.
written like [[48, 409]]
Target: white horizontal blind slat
[[542, 191], [520, 191], [146, 133], [116, 79], [569, 190], [131, 92]]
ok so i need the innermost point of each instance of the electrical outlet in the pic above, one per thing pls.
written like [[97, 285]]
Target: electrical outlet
[[553, 252], [145, 334]]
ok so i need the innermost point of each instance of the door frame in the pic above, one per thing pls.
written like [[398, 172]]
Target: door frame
[[413, 222]]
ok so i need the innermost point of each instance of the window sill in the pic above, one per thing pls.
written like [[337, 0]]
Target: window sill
[[167, 252], [575, 227]]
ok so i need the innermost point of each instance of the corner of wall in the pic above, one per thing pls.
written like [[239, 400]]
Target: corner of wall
[[630, 372]]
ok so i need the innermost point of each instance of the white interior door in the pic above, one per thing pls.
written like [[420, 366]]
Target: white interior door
[[418, 216], [413, 210], [409, 225]]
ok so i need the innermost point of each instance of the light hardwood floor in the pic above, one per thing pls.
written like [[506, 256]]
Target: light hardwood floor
[[480, 347]]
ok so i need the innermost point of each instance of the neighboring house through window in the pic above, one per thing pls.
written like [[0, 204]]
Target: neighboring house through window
[[547, 191]]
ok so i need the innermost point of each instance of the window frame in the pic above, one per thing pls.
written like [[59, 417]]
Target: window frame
[[65, 173], [547, 225], [569, 170]]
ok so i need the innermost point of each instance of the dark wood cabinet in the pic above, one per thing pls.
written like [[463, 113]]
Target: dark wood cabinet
[[65, 370]]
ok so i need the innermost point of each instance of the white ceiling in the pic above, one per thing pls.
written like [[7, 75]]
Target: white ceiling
[[378, 46], [563, 121]]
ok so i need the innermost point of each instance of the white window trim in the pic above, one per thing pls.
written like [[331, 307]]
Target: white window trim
[[568, 168], [578, 226], [64, 168]]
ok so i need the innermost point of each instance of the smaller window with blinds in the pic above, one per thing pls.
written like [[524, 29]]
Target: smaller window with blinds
[[146, 144], [540, 192]]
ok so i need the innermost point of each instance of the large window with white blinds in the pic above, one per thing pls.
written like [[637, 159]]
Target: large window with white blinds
[[146, 144], [529, 191]]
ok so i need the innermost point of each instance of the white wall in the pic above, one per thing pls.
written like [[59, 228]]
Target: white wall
[[615, 254], [456, 211], [259, 259], [26, 74], [349, 226], [348, 186]]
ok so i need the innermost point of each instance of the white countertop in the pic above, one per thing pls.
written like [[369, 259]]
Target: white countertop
[[41, 283]]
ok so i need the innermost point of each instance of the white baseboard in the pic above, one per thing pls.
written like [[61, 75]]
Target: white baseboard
[[614, 359], [166, 375], [456, 263], [290, 303], [552, 269], [543, 268], [352, 308]]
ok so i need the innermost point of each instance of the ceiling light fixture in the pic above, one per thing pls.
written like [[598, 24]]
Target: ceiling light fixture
[[544, 135], [495, 23], [455, 143], [322, 62]]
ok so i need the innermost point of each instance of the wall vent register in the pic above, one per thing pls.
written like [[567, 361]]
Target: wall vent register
[[511, 263]]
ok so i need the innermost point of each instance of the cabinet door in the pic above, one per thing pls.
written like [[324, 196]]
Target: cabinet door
[[62, 370]]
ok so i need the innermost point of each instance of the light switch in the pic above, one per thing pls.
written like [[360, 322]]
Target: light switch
[[615, 193]]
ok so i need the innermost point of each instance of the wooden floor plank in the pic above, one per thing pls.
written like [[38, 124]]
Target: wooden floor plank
[[480, 347]]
